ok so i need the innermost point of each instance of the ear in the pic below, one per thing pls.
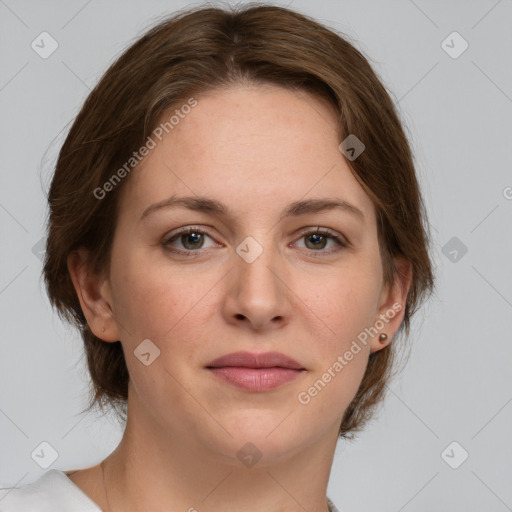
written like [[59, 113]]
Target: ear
[[392, 301], [94, 294]]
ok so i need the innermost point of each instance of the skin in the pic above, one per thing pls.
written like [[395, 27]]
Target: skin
[[256, 149]]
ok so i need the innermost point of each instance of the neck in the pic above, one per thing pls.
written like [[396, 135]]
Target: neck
[[180, 473]]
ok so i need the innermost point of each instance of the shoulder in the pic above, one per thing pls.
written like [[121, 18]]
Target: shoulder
[[52, 491]]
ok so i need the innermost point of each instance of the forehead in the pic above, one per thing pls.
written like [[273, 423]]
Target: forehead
[[250, 147]]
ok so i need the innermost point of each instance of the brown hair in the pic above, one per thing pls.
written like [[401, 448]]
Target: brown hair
[[188, 54]]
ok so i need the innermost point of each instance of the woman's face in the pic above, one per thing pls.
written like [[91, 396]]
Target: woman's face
[[255, 164]]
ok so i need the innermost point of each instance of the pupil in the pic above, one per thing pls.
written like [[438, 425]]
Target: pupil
[[317, 239], [191, 239]]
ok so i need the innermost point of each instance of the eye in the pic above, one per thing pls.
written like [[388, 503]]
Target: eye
[[191, 240], [317, 240]]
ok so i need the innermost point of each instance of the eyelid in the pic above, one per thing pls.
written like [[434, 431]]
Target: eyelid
[[325, 231], [184, 230], [339, 240], [335, 236]]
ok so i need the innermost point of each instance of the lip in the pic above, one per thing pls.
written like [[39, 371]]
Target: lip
[[256, 372], [254, 360]]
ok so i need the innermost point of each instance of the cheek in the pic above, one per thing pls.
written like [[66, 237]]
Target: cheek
[[342, 309], [156, 301], [346, 303], [340, 358], [171, 310]]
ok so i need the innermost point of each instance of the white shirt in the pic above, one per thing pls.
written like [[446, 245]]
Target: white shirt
[[52, 492], [55, 492]]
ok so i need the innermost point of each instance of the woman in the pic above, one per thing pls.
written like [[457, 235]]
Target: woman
[[237, 230]]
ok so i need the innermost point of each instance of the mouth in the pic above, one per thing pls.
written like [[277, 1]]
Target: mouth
[[256, 372]]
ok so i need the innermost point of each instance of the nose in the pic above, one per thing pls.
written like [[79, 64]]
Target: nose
[[258, 296]]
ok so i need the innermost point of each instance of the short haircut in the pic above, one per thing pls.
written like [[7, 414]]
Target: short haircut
[[204, 49]]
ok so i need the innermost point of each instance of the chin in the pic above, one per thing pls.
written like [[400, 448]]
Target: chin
[[261, 435]]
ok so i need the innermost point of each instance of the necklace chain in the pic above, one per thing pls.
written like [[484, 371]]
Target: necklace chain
[[104, 486]]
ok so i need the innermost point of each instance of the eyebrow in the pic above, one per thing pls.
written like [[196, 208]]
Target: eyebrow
[[295, 209]]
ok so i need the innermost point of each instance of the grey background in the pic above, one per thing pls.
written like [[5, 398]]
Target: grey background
[[456, 385]]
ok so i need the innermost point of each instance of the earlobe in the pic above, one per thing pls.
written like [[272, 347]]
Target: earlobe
[[392, 305], [93, 291]]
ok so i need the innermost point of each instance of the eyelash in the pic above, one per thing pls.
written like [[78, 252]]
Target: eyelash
[[339, 240]]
